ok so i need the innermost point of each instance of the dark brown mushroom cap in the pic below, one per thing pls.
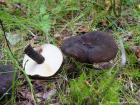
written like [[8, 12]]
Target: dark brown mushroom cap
[[5, 78], [92, 47]]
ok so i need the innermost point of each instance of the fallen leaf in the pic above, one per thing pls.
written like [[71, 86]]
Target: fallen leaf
[[127, 36], [108, 3], [39, 95], [134, 49], [38, 89], [22, 77], [68, 91], [20, 103], [29, 103], [38, 38], [104, 65], [39, 100], [3, 2], [14, 38], [83, 29], [50, 94], [66, 38], [58, 39], [105, 23], [19, 5], [53, 86], [66, 33]]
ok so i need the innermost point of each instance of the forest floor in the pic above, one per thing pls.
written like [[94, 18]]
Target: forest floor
[[38, 22]]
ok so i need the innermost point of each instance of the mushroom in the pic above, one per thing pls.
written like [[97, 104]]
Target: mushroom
[[43, 61], [6, 76], [92, 47]]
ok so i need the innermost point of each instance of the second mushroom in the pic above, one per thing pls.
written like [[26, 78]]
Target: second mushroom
[[92, 47]]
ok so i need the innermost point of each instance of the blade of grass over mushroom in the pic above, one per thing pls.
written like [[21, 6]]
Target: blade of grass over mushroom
[[14, 80], [21, 69], [8, 80]]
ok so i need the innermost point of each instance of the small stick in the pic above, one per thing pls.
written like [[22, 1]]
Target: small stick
[[123, 53], [34, 54]]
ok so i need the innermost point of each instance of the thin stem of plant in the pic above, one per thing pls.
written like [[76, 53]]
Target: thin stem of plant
[[7, 42]]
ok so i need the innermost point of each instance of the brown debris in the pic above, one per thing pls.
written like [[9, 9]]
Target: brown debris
[[19, 5], [58, 39], [44, 91], [3, 2], [83, 29], [134, 49]]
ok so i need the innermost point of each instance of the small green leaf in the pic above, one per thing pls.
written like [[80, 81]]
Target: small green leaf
[[45, 18], [46, 28], [43, 9]]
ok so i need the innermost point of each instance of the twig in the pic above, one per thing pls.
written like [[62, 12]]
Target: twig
[[123, 56], [123, 53], [7, 43]]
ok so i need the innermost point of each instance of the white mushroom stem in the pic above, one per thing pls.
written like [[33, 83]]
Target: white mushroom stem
[[34, 55]]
